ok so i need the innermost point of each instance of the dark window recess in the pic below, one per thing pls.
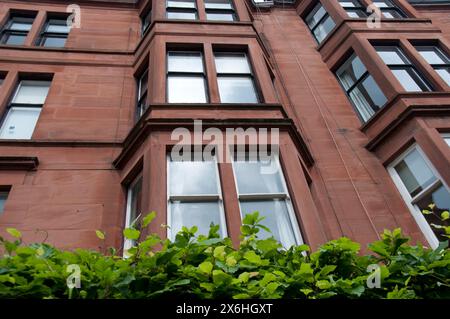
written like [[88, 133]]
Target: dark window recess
[[3, 197], [146, 20], [142, 84]]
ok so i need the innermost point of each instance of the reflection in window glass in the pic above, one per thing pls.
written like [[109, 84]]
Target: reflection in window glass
[[194, 195], [360, 87], [261, 187]]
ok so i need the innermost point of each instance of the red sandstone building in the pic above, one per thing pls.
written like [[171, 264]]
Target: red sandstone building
[[362, 107]]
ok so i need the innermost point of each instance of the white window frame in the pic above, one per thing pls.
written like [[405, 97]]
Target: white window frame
[[411, 201], [196, 198], [128, 243], [271, 196]]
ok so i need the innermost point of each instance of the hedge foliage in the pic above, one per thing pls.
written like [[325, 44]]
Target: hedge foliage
[[209, 267]]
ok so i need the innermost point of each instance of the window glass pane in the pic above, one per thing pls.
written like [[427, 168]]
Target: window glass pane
[[415, 173], [441, 198], [237, 90], [185, 62], [431, 56], [32, 92], [323, 29], [218, 4], [182, 15], [232, 63], [391, 56], [21, 24], [252, 178], [58, 26], [373, 90], [351, 71], [405, 77], [14, 39], [20, 123], [361, 100], [194, 214], [447, 140], [315, 15], [356, 14], [3, 198], [143, 84], [54, 42], [347, 4], [276, 219], [445, 74], [186, 89], [381, 4], [193, 178], [181, 3], [220, 16], [136, 200]]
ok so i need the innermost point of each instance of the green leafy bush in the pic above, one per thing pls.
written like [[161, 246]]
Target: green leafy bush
[[209, 267]]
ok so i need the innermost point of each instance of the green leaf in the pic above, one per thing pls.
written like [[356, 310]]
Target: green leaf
[[231, 261], [131, 233], [252, 257], [219, 252], [323, 284], [206, 267], [14, 232], [445, 215], [148, 219], [100, 234], [220, 278]]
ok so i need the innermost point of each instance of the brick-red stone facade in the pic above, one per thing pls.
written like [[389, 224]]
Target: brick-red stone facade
[[71, 177]]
